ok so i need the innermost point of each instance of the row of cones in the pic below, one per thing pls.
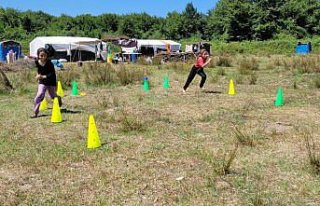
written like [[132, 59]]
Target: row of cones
[[93, 139], [166, 85], [146, 87], [278, 102]]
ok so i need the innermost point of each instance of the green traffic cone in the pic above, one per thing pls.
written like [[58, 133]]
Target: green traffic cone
[[75, 91], [146, 84], [166, 84], [279, 98]]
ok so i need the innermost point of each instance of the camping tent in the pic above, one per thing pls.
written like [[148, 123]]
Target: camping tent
[[158, 45], [149, 46], [10, 47], [70, 48]]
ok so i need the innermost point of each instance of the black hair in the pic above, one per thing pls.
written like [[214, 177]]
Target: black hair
[[41, 50], [50, 50]]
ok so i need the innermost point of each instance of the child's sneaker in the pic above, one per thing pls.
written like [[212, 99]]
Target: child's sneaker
[[34, 116], [184, 91]]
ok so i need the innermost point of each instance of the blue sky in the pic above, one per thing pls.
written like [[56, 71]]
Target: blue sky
[[96, 7]]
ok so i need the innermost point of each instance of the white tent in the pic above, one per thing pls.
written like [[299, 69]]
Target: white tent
[[159, 44], [68, 43], [155, 45]]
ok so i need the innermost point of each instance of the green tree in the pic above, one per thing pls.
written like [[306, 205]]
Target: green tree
[[301, 17], [35, 21], [173, 28], [10, 17], [63, 23], [191, 20], [231, 20], [266, 18], [108, 22]]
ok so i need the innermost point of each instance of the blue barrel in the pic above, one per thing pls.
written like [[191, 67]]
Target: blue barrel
[[133, 57]]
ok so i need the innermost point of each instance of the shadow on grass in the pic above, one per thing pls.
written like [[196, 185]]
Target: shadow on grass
[[40, 115], [69, 111], [211, 92]]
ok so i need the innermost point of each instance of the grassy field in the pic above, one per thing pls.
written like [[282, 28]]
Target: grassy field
[[164, 147]]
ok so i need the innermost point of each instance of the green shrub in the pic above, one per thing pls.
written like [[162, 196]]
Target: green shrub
[[305, 64], [99, 74], [224, 61], [247, 65], [221, 71], [127, 76]]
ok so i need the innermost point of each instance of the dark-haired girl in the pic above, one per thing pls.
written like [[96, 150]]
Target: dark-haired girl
[[46, 77]]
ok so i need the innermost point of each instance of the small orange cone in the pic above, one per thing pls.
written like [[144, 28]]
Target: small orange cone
[[60, 90], [231, 88], [56, 116], [43, 105], [93, 136]]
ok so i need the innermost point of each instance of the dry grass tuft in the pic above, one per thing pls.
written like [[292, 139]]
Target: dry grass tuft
[[228, 160], [313, 153], [224, 61], [247, 65]]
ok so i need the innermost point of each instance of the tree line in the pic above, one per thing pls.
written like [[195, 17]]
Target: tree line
[[228, 20]]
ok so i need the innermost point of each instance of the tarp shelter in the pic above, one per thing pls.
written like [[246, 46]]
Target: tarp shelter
[[195, 48], [303, 48], [11, 47], [149, 46], [157, 45], [71, 48]]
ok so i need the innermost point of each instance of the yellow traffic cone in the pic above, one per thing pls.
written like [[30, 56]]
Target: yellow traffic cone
[[56, 116], [60, 90], [231, 88], [93, 136], [43, 105]]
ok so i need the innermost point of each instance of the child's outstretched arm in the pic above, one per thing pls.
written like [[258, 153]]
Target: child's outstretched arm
[[207, 62]]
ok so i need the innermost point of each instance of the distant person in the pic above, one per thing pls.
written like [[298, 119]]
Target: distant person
[[310, 46], [10, 56], [148, 60], [47, 79], [115, 59], [202, 61], [120, 59]]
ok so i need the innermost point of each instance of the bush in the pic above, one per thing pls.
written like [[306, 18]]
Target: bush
[[127, 76], [224, 61], [221, 71], [247, 65], [305, 64], [99, 74]]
